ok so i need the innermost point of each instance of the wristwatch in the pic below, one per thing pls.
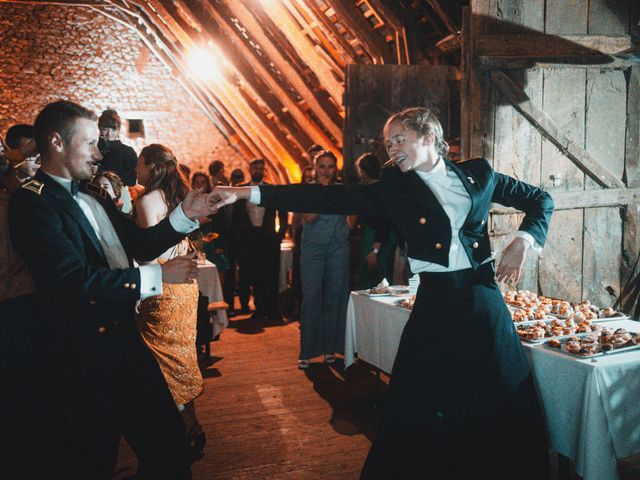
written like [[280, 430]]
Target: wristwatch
[[375, 251]]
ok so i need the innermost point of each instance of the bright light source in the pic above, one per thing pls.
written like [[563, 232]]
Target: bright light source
[[203, 64]]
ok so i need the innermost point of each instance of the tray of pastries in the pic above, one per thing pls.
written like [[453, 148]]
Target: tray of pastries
[[605, 341], [528, 315], [585, 310], [543, 330]]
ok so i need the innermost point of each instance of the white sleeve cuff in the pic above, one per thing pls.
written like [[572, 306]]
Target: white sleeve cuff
[[180, 222], [255, 196], [150, 280], [530, 240]]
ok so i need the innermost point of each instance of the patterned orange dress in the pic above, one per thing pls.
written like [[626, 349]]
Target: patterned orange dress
[[167, 324]]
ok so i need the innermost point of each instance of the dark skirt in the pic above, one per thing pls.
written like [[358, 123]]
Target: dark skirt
[[461, 400]]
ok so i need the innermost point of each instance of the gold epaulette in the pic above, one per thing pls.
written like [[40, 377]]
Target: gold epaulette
[[34, 185], [96, 191]]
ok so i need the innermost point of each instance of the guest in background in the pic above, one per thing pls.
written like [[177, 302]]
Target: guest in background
[[28, 406], [232, 273], [379, 241], [214, 225], [112, 183], [325, 277], [259, 248], [23, 154], [167, 322], [237, 177], [216, 171], [116, 156], [297, 222]]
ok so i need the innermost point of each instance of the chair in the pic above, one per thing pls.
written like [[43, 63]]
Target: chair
[[212, 308]]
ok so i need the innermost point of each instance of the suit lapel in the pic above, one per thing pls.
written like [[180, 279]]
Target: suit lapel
[[66, 201], [419, 190]]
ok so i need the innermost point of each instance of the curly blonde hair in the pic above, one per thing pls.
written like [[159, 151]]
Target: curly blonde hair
[[423, 121]]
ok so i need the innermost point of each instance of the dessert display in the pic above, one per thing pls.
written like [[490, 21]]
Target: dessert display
[[381, 289], [597, 343], [555, 328], [532, 302]]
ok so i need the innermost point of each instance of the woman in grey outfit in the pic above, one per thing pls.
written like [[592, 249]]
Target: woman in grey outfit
[[325, 277]]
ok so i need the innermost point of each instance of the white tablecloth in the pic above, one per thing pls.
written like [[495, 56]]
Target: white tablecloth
[[209, 286], [592, 407]]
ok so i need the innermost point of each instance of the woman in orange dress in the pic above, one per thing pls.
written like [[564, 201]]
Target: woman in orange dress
[[167, 322]]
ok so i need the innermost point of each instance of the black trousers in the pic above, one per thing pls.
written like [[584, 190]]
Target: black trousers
[[461, 401], [108, 397], [260, 265], [31, 414]]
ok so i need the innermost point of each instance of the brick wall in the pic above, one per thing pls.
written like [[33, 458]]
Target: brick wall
[[65, 52]]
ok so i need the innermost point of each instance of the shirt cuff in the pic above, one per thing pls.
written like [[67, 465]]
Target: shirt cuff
[[180, 222], [255, 195], [530, 240], [150, 280]]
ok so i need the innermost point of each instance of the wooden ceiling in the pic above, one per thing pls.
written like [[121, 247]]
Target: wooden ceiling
[[270, 73]]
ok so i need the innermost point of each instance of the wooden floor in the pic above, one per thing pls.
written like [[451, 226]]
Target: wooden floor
[[265, 419]]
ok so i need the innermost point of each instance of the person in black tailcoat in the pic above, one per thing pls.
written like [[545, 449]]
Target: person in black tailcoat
[[79, 249], [461, 401], [258, 247]]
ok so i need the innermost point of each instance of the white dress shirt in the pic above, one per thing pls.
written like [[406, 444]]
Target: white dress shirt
[[455, 201], [150, 275], [256, 213]]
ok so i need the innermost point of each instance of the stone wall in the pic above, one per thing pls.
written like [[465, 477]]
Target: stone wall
[[74, 53]]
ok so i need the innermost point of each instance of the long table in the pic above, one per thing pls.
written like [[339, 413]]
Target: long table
[[592, 406]]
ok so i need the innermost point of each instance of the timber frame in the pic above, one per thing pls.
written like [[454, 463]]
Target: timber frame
[[281, 66], [506, 59]]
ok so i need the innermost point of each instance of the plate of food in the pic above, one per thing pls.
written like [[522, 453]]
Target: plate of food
[[377, 291], [595, 344], [543, 330], [399, 289]]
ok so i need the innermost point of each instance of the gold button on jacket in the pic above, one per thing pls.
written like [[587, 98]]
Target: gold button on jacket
[[423, 220], [102, 330], [125, 285], [438, 246], [133, 286], [475, 245]]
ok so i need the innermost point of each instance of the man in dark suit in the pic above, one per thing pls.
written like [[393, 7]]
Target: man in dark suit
[[79, 250], [258, 245]]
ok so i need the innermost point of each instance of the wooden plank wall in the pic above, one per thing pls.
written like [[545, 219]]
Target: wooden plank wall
[[590, 251]]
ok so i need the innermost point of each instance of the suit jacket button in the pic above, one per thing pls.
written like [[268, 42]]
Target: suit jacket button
[[438, 246], [133, 286], [102, 330], [92, 302], [475, 245], [422, 220], [125, 285]]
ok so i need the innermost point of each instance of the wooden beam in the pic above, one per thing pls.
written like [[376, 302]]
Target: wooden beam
[[535, 61], [578, 155], [329, 28], [362, 30], [450, 43], [435, 5], [607, 197], [276, 19], [386, 14], [500, 45], [249, 21], [232, 35]]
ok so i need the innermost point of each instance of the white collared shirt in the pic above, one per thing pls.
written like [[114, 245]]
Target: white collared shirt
[[256, 213], [150, 275]]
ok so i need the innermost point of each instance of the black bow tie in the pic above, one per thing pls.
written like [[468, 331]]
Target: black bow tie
[[75, 188]]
